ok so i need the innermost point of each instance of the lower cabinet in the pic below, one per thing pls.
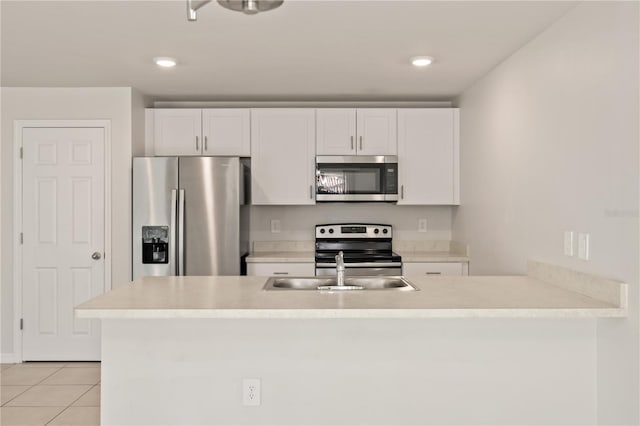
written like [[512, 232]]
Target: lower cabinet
[[435, 268], [276, 269]]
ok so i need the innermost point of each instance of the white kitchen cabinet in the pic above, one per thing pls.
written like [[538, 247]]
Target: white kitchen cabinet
[[435, 268], [283, 156], [428, 156], [279, 269], [362, 131], [215, 131], [226, 131], [177, 132]]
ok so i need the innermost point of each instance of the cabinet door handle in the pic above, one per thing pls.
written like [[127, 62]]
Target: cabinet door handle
[[361, 142], [197, 146], [351, 143], [311, 192], [205, 143], [280, 273], [402, 192], [433, 273]]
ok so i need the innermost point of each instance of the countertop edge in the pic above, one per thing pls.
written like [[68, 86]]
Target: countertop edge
[[576, 313]]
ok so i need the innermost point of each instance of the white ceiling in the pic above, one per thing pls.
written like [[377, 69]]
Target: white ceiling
[[304, 50]]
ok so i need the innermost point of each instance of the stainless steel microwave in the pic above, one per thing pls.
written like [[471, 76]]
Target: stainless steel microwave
[[357, 178]]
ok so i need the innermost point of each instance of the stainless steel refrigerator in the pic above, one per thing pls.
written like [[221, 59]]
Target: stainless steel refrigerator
[[190, 216]]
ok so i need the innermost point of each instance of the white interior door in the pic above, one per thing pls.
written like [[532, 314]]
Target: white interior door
[[63, 229]]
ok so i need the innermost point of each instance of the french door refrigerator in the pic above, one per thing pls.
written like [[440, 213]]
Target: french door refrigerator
[[189, 216]]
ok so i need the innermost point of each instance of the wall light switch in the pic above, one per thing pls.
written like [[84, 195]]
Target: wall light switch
[[275, 226], [422, 225], [583, 246], [568, 243]]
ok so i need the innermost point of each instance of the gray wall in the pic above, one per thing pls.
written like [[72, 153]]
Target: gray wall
[[549, 142]]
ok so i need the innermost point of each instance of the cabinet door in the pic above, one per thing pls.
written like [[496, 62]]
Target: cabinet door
[[434, 268], [226, 132], [377, 131], [280, 269], [282, 156], [336, 131], [428, 156], [177, 132]]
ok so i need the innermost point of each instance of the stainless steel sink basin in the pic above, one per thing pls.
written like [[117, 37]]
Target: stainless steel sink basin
[[330, 283]]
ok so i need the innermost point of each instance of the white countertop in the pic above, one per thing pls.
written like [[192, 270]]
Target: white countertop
[[282, 257], [439, 297], [431, 256]]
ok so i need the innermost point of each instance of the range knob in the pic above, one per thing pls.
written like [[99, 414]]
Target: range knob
[[322, 231], [376, 231], [331, 230], [385, 231]]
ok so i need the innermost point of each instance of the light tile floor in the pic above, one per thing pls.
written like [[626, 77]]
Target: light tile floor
[[50, 393]]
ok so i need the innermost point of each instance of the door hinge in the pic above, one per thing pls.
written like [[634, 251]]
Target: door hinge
[[21, 238], [21, 153], [21, 324]]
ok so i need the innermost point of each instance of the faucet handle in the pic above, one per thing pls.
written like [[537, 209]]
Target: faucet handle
[[340, 256]]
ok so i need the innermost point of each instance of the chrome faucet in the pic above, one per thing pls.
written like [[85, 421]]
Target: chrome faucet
[[340, 267]]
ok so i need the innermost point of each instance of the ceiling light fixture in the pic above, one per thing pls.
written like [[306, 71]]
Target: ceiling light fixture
[[165, 62], [248, 7], [421, 61]]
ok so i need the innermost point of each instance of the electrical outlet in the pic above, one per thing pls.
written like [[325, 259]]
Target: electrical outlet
[[251, 392], [422, 225], [568, 243], [275, 226], [583, 246]]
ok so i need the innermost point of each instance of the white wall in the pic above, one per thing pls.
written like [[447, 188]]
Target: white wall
[[114, 104], [549, 142], [298, 222]]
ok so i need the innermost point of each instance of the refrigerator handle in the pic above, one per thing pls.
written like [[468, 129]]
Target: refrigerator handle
[[172, 236], [181, 232]]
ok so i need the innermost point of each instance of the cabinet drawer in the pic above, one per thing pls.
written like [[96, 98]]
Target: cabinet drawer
[[271, 269], [435, 268]]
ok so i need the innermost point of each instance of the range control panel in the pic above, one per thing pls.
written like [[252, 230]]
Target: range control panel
[[353, 230]]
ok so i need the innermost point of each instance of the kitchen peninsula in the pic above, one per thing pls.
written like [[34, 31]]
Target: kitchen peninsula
[[177, 349]]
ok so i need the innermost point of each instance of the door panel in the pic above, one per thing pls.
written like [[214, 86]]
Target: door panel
[[63, 224], [377, 131], [154, 179], [211, 215]]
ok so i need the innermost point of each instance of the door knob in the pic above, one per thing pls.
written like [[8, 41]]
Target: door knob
[[96, 255]]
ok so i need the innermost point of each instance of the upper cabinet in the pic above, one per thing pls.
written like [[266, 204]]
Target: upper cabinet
[[428, 156], [362, 131], [177, 132], [226, 132], [283, 156], [213, 131]]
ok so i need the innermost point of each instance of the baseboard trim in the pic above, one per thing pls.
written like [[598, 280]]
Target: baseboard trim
[[8, 358]]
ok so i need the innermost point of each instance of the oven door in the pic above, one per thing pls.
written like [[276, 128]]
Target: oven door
[[353, 178]]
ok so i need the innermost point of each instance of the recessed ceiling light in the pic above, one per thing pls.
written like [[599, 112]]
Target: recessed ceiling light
[[421, 61], [165, 62]]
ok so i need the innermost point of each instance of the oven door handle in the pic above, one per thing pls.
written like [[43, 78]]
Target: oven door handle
[[362, 265]]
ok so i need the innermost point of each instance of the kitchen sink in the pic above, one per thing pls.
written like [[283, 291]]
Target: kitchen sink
[[331, 283]]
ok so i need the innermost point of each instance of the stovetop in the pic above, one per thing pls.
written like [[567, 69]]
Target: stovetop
[[360, 243]]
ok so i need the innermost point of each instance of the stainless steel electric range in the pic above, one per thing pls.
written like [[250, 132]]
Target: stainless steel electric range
[[366, 248]]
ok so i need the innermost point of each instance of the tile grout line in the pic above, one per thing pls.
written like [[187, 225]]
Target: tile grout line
[[29, 386], [71, 404]]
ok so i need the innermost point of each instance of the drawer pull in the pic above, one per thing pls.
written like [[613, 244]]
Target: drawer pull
[[433, 273], [280, 273]]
